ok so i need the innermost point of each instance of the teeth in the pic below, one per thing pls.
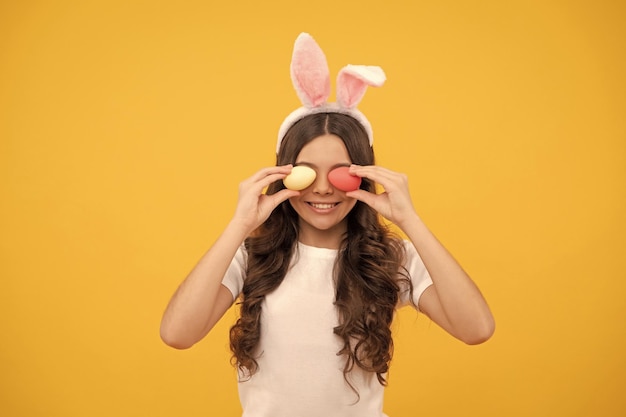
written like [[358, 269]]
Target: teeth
[[322, 206]]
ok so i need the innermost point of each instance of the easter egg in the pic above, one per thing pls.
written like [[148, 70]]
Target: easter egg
[[299, 178], [340, 178]]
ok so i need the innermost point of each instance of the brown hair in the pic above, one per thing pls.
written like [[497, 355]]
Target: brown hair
[[367, 272]]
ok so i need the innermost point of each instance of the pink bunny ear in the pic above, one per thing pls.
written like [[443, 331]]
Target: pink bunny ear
[[353, 80], [309, 72]]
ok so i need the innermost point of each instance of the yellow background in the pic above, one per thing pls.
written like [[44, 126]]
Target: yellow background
[[126, 126]]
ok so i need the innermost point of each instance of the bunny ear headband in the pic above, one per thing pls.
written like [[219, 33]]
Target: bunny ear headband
[[310, 77]]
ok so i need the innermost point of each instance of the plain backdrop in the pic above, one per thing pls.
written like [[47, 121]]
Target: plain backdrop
[[126, 127]]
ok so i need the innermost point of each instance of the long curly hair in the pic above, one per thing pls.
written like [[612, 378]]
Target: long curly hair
[[368, 272]]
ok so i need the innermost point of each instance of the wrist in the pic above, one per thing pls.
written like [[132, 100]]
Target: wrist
[[238, 229], [410, 222]]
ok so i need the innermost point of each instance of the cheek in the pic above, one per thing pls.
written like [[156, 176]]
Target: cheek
[[293, 202], [298, 206], [350, 205]]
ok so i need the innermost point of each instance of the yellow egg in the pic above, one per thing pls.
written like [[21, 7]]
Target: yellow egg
[[299, 178]]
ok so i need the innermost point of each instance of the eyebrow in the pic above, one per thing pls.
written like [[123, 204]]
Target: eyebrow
[[312, 165]]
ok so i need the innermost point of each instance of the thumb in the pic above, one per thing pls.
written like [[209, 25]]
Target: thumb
[[283, 195], [362, 195]]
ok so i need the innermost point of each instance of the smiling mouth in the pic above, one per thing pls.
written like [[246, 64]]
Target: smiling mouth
[[322, 206]]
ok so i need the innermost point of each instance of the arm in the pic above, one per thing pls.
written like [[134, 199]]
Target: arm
[[201, 300], [454, 302]]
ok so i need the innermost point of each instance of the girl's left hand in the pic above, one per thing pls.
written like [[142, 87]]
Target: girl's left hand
[[395, 202]]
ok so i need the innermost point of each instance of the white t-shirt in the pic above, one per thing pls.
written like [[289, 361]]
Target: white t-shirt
[[300, 373]]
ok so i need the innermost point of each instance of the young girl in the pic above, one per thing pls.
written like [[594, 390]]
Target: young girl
[[318, 275]]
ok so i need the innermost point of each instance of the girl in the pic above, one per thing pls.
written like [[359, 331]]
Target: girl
[[317, 273]]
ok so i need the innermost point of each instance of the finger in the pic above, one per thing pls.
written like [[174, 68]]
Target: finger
[[370, 171], [282, 195], [258, 183], [263, 173], [364, 196], [270, 179], [381, 175]]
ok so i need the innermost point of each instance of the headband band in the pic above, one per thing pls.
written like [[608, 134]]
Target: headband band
[[311, 79]]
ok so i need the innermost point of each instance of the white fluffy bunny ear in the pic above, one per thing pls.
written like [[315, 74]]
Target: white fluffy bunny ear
[[309, 72], [353, 80]]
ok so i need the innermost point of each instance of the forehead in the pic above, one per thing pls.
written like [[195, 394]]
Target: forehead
[[324, 149]]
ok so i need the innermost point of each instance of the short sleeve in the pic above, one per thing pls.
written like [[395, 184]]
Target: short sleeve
[[233, 279], [420, 278]]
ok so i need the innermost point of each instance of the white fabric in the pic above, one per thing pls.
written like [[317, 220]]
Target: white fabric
[[300, 373], [302, 112]]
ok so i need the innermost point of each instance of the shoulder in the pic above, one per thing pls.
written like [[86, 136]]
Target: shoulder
[[234, 277], [417, 273]]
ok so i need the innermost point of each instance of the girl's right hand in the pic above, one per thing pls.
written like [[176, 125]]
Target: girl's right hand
[[253, 206]]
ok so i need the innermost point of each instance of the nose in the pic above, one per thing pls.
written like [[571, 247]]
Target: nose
[[322, 186]]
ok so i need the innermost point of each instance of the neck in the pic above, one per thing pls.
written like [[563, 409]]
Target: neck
[[329, 239]]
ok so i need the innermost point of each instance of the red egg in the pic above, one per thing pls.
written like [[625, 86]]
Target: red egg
[[340, 178]]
